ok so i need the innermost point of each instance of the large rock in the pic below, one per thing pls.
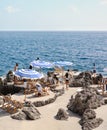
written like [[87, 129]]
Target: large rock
[[87, 98], [89, 120], [84, 79], [31, 112], [39, 103], [61, 114], [19, 116], [89, 114]]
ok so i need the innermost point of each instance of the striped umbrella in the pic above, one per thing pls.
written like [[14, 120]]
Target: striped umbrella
[[41, 64], [62, 63], [28, 74]]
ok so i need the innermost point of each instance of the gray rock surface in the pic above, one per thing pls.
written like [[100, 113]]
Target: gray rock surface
[[84, 79], [83, 103], [31, 112], [89, 120], [88, 98], [19, 116], [61, 114]]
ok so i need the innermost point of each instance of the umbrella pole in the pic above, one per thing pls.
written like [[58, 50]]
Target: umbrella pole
[[25, 96], [62, 77]]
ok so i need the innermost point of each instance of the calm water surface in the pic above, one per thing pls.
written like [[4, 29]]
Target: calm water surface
[[81, 48]]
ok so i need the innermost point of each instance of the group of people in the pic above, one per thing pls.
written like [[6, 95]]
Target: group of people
[[54, 79]]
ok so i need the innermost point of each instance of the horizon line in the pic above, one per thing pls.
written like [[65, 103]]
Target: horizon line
[[51, 30]]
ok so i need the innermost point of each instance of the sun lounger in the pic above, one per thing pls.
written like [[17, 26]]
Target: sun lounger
[[11, 106]]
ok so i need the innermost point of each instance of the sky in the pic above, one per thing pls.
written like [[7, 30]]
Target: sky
[[37, 15]]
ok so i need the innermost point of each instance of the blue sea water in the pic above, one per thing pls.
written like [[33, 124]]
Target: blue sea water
[[81, 48]]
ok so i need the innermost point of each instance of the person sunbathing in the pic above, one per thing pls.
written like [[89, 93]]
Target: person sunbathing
[[39, 89]]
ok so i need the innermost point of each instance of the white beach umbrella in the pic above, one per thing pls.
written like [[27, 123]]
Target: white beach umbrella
[[62, 63], [28, 74], [41, 64], [105, 69]]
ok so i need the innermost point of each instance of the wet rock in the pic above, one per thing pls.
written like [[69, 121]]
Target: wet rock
[[61, 114]]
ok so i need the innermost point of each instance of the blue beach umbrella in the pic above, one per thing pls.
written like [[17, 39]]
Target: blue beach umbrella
[[28, 74], [62, 63], [41, 64], [105, 69]]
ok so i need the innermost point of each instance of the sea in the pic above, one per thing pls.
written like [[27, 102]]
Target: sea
[[82, 48]]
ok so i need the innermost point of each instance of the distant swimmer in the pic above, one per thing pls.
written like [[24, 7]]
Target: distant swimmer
[[37, 58]]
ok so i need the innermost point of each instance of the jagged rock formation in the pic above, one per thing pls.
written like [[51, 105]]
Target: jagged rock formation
[[84, 79], [19, 116], [61, 114], [28, 112], [89, 120], [88, 98], [31, 112], [82, 104]]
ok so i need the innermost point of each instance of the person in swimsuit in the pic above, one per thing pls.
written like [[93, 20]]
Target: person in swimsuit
[[67, 78]]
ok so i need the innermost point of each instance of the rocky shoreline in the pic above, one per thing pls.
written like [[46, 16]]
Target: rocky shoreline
[[83, 103]]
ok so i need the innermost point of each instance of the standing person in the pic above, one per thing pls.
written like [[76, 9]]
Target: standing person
[[94, 69], [56, 80], [67, 78], [16, 67]]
